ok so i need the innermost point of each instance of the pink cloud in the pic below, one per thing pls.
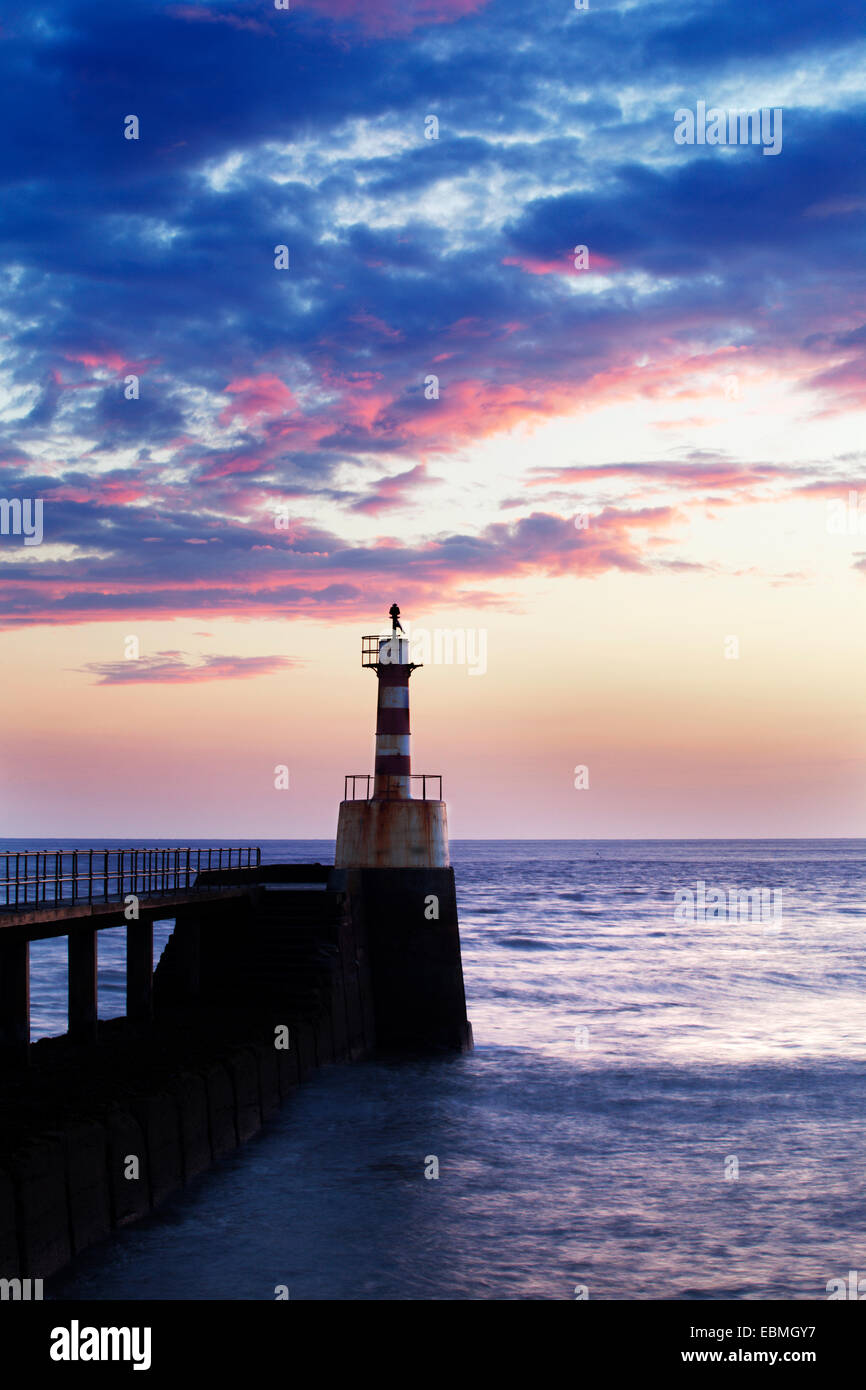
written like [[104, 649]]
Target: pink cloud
[[208, 15], [694, 476], [112, 360], [105, 491], [563, 265], [369, 321], [177, 668], [392, 491], [258, 398], [394, 16], [847, 383], [323, 570]]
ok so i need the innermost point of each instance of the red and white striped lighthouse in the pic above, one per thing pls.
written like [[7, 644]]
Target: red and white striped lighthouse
[[393, 669], [392, 856], [391, 828]]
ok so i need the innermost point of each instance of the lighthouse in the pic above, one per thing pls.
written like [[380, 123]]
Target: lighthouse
[[393, 669], [393, 820], [392, 861]]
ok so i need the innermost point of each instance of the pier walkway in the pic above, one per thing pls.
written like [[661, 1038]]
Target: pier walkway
[[75, 893]]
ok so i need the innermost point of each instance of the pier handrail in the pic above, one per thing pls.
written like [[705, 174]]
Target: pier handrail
[[369, 778], [67, 876]]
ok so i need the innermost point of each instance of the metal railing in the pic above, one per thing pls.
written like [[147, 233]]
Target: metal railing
[[370, 650], [369, 779], [67, 876]]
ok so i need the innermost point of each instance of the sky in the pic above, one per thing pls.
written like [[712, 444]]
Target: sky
[[422, 301]]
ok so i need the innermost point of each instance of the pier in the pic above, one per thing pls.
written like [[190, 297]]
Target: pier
[[264, 978], [76, 893], [271, 971]]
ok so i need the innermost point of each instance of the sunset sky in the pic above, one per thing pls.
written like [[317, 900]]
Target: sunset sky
[[626, 467]]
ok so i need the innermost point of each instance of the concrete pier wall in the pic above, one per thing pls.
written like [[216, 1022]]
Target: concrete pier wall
[[98, 1134], [409, 921], [64, 1191]]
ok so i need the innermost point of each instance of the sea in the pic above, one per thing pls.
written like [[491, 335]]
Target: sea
[[666, 1099]]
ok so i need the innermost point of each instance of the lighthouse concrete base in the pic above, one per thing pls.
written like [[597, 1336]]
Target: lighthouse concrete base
[[408, 918], [392, 835]]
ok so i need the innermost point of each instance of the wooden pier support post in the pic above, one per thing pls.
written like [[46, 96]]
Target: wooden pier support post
[[139, 971], [15, 1002], [82, 986]]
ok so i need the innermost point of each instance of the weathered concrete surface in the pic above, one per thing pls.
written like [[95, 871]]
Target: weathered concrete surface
[[222, 1119], [305, 1048], [410, 925], [190, 1095], [39, 1173], [392, 834], [130, 1195], [160, 1125], [85, 1149], [269, 1081], [9, 1263], [287, 1069], [245, 1081]]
